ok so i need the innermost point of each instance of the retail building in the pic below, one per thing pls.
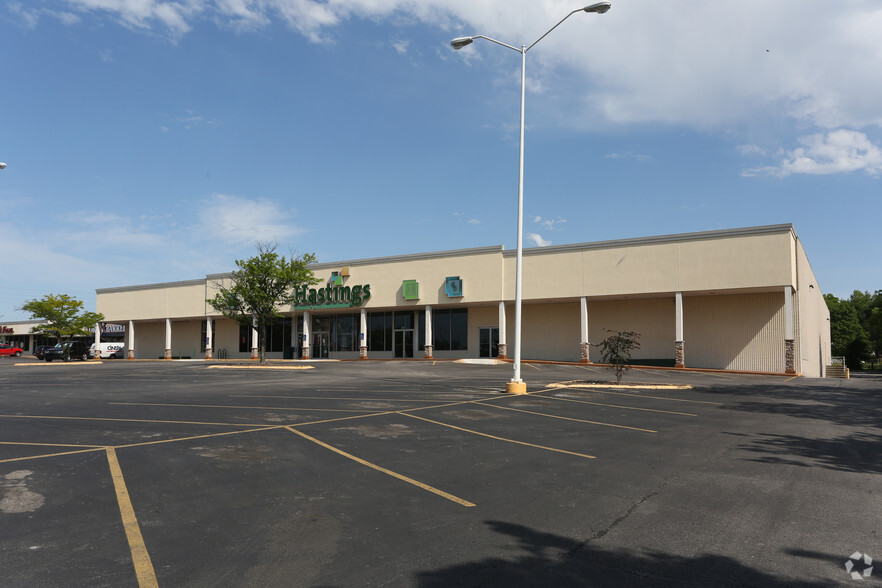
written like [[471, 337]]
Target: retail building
[[738, 299]]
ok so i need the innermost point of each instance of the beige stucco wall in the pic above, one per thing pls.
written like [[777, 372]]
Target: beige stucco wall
[[174, 300], [813, 326], [652, 318], [736, 332]]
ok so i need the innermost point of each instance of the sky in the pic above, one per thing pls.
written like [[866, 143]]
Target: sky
[[153, 141]]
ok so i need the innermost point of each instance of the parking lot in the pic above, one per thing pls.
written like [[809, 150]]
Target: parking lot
[[127, 473]]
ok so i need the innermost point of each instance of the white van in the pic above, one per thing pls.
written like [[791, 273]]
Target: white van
[[110, 350]]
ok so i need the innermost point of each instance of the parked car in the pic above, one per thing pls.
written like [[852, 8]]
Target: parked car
[[6, 349], [40, 350], [78, 350]]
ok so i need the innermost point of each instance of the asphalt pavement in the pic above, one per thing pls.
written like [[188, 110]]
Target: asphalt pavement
[[177, 473]]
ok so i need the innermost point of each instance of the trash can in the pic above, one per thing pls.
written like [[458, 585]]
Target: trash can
[[288, 353]]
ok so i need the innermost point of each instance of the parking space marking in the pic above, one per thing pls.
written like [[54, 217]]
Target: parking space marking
[[72, 418], [236, 407], [362, 399], [413, 416], [603, 391], [42, 455], [401, 477], [209, 435], [140, 557], [616, 405], [552, 416], [52, 444]]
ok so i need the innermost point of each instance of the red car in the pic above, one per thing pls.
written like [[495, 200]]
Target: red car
[[9, 350]]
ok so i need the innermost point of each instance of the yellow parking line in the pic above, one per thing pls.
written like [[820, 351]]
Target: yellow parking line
[[49, 455], [71, 418], [606, 391], [362, 399], [498, 438], [233, 406], [441, 493], [140, 556], [52, 444], [176, 439], [616, 405], [570, 419]]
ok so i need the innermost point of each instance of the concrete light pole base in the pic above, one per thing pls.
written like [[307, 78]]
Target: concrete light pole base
[[516, 387]]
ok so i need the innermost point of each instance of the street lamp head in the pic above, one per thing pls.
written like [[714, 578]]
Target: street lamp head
[[598, 7], [2, 165], [460, 42]]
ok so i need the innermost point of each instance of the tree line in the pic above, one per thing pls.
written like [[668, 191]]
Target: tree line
[[856, 327]]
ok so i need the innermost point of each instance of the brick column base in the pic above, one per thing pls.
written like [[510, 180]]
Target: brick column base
[[208, 353], [679, 354], [254, 354], [585, 350], [167, 354], [304, 353], [362, 352], [503, 349], [130, 354], [428, 352], [789, 357]]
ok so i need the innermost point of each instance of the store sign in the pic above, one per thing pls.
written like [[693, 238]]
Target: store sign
[[111, 328], [7, 330], [410, 289], [331, 296], [453, 287]]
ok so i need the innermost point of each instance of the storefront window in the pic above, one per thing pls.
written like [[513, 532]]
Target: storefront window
[[450, 329], [379, 331], [343, 332]]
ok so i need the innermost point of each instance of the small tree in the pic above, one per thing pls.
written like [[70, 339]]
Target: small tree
[[64, 318], [616, 350], [260, 286]]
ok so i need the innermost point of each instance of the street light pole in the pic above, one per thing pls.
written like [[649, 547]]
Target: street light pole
[[517, 385]]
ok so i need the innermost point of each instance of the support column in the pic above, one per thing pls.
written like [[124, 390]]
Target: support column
[[362, 335], [584, 344], [503, 348], [304, 348], [168, 349], [679, 343], [97, 341], [254, 354], [130, 335], [209, 339], [429, 348], [789, 345], [294, 341]]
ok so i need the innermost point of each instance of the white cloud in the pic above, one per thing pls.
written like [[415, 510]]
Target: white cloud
[[537, 239], [171, 17], [552, 224], [704, 65], [30, 17], [240, 220], [401, 47], [840, 151]]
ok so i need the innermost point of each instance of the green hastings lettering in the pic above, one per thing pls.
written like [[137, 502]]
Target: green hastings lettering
[[331, 295]]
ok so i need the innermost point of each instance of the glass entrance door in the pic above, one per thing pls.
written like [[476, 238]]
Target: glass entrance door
[[320, 340], [404, 343], [488, 340]]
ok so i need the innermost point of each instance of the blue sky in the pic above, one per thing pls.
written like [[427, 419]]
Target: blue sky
[[152, 141]]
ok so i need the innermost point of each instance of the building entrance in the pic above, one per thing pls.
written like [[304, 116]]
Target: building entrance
[[320, 340], [404, 343], [488, 342]]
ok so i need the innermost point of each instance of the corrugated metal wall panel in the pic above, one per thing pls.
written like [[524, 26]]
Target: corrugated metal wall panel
[[737, 332], [653, 318]]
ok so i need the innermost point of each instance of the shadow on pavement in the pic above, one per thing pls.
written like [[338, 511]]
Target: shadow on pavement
[[553, 560]]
